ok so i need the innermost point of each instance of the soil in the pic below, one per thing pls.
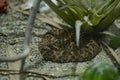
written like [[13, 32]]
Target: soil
[[58, 45]]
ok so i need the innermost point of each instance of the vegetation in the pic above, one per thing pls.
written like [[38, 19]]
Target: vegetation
[[92, 13], [115, 40], [100, 71], [94, 16]]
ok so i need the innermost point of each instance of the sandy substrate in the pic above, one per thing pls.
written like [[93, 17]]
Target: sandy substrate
[[12, 27]]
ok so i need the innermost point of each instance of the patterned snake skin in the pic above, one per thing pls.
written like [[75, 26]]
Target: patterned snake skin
[[58, 45]]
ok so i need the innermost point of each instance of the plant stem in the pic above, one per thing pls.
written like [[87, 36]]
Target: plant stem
[[78, 25]]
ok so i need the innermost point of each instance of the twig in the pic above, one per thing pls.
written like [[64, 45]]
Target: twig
[[38, 73], [28, 33]]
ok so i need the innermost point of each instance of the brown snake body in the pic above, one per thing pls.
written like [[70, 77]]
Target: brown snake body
[[58, 45]]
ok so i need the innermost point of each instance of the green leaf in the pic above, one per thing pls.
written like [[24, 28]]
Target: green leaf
[[100, 71], [104, 6], [101, 13], [61, 13], [95, 18], [109, 18], [115, 40], [97, 15], [112, 6]]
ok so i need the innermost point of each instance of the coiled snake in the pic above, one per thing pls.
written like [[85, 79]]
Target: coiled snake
[[58, 45]]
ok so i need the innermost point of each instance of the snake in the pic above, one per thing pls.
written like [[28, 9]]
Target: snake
[[58, 45]]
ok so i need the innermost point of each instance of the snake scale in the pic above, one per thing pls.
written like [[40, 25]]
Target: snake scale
[[58, 45]]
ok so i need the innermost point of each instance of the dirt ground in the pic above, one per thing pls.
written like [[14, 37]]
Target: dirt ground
[[12, 29]]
